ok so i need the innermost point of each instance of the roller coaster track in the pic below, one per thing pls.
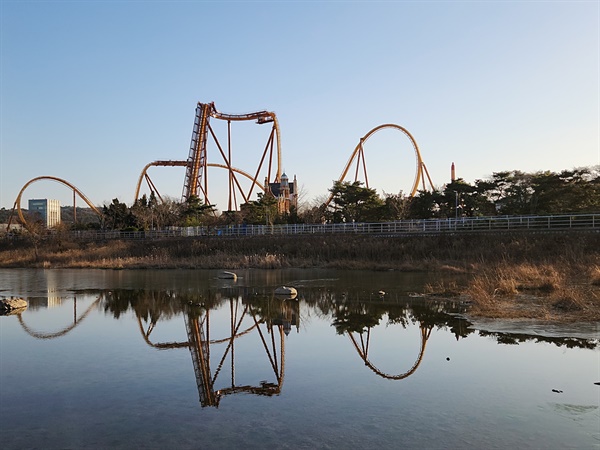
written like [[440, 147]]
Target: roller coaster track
[[196, 180], [363, 352], [358, 156], [197, 164], [144, 175], [17, 205]]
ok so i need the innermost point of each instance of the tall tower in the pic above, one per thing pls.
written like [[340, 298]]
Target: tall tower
[[283, 195], [452, 173]]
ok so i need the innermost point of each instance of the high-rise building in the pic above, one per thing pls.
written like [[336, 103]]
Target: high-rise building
[[49, 210]]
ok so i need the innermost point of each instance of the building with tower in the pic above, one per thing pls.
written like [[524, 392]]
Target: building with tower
[[285, 192]]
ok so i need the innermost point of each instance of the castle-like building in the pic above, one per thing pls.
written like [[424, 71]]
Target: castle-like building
[[285, 192]]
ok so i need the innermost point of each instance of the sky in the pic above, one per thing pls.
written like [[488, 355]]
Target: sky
[[92, 91]]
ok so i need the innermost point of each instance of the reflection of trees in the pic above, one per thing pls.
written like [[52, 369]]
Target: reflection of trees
[[517, 338], [255, 313], [356, 317], [348, 310], [353, 313], [147, 304]]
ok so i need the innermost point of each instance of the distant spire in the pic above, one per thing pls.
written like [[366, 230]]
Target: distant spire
[[452, 173]]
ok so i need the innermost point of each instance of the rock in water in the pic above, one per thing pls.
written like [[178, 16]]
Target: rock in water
[[228, 276], [7, 305], [286, 291]]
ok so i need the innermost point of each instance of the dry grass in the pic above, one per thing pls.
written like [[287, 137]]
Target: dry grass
[[442, 289], [544, 292], [595, 275]]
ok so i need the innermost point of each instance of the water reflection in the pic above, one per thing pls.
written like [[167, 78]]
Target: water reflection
[[236, 335], [266, 319], [363, 351], [37, 303]]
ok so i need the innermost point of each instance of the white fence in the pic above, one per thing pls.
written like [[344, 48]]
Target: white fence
[[398, 228]]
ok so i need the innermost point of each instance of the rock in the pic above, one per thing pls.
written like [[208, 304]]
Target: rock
[[228, 276], [7, 305], [286, 291]]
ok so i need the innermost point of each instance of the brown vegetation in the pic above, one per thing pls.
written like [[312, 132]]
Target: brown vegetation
[[559, 292], [545, 276]]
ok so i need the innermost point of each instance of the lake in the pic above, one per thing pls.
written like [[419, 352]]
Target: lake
[[358, 359]]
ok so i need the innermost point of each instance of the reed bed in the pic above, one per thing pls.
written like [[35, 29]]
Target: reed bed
[[561, 292]]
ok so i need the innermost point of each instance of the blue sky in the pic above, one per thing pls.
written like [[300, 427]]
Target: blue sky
[[92, 91]]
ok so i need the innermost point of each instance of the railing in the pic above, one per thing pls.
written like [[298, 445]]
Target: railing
[[495, 224]]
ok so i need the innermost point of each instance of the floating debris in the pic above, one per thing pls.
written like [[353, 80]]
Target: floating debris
[[557, 391]]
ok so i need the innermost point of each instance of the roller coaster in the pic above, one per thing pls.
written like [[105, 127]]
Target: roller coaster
[[196, 182], [209, 149], [358, 160]]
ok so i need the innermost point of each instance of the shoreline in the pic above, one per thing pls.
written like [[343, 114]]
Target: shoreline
[[548, 277]]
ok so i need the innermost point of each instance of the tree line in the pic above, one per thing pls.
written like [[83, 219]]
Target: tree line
[[504, 193]]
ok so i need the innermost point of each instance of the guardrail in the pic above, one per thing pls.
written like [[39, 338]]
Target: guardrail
[[573, 222]]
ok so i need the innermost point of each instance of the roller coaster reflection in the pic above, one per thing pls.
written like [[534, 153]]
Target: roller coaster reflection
[[76, 321], [363, 352], [269, 319], [271, 324], [198, 329]]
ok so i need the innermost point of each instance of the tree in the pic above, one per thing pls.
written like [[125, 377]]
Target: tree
[[425, 205], [117, 215], [351, 202], [167, 213], [260, 212], [515, 192], [144, 211], [576, 190], [485, 203], [315, 212], [460, 199], [396, 206], [195, 212]]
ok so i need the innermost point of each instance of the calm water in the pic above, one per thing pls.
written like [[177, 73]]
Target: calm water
[[183, 359]]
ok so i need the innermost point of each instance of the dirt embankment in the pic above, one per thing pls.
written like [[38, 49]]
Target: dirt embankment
[[553, 277]]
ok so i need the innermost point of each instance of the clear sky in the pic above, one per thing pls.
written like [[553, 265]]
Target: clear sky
[[92, 91]]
